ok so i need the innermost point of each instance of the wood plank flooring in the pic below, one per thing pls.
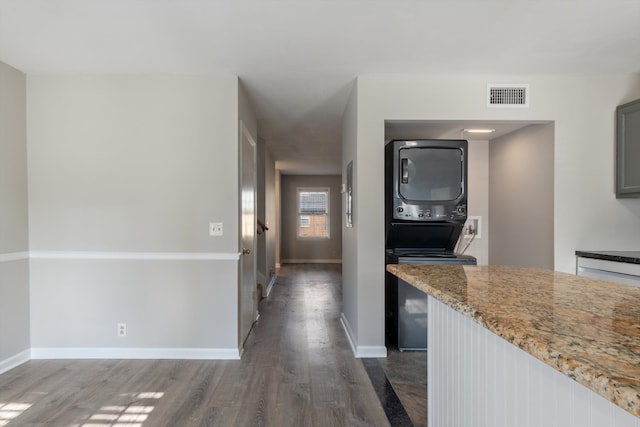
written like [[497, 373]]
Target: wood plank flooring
[[297, 370]]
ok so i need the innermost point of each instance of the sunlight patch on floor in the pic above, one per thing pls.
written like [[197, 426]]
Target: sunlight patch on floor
[[132, 415], [11, 410]]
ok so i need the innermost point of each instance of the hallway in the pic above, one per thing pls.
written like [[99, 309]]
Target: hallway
[[297, 370], [311, 375]]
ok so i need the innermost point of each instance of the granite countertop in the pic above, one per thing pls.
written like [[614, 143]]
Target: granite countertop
[[586, 329], [630, 257]]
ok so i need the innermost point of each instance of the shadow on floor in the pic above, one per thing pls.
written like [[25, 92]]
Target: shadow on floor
[[406, 372]]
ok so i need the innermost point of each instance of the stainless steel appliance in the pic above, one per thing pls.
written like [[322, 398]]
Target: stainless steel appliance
[[409, 317], [425, 212]]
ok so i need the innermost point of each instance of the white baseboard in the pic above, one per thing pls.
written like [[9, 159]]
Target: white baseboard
[[15, 360], [361, 351], [347, 330], [366, 351], [136, 353], [312, 261], [270, 285], [119, 353]]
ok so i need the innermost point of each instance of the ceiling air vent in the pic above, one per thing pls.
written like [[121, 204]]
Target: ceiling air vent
[[507, 95]]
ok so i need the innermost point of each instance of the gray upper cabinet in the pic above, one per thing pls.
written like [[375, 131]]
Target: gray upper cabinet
[[628, 150]]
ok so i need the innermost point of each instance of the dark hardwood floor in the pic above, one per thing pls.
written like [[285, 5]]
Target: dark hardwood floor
[[297, 370]]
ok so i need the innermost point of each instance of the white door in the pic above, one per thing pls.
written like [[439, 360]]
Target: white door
[[248, 294]]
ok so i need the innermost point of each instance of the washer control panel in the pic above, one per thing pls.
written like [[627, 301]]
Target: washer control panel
[[432, 212]]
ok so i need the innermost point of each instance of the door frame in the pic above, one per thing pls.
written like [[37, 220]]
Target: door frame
[[244, 330]]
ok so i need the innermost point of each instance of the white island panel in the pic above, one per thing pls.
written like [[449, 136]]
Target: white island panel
[[476, 378]]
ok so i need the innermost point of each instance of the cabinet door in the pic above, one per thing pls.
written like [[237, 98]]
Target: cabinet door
[[628, 150]]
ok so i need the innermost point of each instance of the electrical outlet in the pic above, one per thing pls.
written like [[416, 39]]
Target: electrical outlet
[[122, 329], [473, 226], [215, 229]]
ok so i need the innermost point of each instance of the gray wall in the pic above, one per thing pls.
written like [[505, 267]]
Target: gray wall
[[351, 260], [270, 200], [14, 240], [267, 213], [261, 240], [521, 197], [583, 169], [479, 198], [125, 174], [310, 250], [278, 207]]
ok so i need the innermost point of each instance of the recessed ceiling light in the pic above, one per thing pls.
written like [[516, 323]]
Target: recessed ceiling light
[[479, 130]]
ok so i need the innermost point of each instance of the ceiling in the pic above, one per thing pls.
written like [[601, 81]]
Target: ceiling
[[298, 59], [452, 129]]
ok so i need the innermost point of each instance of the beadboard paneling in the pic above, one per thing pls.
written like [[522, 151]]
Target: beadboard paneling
[[476, 378]]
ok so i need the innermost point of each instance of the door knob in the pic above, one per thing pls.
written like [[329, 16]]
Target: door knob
[[246, 251]]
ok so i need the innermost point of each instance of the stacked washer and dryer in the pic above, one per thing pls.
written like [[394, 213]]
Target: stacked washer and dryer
[[425, 213]]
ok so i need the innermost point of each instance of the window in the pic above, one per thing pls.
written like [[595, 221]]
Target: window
[[313, 213]]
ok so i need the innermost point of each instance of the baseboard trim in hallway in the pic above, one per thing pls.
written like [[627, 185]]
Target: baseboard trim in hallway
[[393, 408], [272, 282], [311, 261], [136, 353], [361, 351], [15, 360]]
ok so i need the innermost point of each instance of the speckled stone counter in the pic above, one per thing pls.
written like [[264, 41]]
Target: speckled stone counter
[[588, 330]]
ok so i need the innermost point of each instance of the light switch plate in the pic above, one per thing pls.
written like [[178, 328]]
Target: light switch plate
[[215, 229]]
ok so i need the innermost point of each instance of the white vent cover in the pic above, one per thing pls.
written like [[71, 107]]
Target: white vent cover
[[507, 95]]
